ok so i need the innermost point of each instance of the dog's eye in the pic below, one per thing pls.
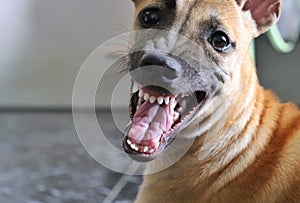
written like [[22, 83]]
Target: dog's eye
[[220, 41], [149, 17]]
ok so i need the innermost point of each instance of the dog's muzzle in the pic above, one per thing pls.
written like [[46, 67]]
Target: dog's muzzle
[[161, 106]]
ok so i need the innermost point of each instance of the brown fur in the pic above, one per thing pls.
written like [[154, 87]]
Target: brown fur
[[267, 169]]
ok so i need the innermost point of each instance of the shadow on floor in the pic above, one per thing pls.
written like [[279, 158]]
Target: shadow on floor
[[42, 160]]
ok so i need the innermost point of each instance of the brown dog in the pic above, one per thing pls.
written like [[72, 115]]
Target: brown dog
[[246, 144]]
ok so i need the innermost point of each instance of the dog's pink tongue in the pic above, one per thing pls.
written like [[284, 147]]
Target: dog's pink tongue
[[150, 122]]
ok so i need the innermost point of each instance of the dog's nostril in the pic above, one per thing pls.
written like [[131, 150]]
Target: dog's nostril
[[160, 66]]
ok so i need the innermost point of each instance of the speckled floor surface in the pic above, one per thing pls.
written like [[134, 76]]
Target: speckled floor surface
[[42, 160]]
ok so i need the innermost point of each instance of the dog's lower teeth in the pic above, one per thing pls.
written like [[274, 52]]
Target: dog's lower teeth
[[133, 146], [151, 151], [146, 149], [129, 142]]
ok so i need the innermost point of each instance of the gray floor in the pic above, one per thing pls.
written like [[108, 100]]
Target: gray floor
[[42, 160]]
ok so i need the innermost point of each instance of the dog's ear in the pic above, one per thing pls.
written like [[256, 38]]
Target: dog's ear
[[264, 13]]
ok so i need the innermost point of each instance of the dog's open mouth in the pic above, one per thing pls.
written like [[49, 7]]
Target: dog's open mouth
[[156, 117]]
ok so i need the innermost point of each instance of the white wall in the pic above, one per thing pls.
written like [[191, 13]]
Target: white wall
[[44, 43]]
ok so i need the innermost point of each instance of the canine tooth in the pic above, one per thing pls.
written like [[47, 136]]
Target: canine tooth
[[129, 142], [167, 100], [152, 99], [160, 100], [134, 88], [156, 145], [146, 149], [141, 93], [173, 103], [146, 96]]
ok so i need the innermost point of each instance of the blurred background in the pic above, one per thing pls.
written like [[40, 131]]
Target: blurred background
[[42, 47]]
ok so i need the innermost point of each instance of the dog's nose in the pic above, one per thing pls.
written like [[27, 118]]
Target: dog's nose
[[158, 65], [157, 69]]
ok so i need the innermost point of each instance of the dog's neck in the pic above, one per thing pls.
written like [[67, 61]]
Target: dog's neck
[[248, 102], [224, 152]]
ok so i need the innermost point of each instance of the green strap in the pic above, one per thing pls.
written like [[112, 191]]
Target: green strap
[[278, 42], [252, 51]]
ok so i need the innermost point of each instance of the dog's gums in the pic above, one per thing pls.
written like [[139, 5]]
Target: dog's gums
[[156, 117]]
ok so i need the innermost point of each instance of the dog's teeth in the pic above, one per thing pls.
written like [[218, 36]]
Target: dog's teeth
[[184, 94], [145, 149], [134, 88], [129, 142], [152, 99], [176, 116], [156, 145], [160, 100], [133, 146], [167, 100], [151, 151], [141, 93], [146, 96], [173, 102]]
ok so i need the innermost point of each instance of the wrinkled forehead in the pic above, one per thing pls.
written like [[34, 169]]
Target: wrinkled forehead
[[188, 16], [186, 4], [194, 9]]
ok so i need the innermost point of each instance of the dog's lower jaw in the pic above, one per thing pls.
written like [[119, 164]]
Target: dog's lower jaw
[[221, 153]]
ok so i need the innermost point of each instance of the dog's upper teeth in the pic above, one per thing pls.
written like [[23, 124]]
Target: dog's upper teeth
[[141, 93], [152, 99], [173, 102], [146, 96], [160, 100], [167, 100], [134, 88]]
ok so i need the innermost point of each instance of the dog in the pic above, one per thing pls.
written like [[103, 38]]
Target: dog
[[194, 79]]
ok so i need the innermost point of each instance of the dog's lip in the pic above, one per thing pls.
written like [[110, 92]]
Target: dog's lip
[[136, 151]]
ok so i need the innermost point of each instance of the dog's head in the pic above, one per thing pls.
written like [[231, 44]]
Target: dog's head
[[185, 54]]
